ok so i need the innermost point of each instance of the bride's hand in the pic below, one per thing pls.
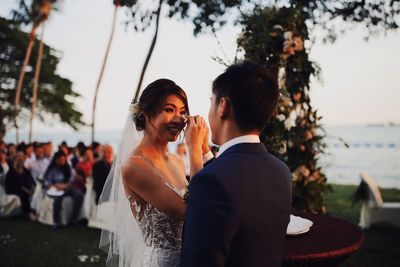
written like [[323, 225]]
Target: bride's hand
[[206, 145], [195, 132]]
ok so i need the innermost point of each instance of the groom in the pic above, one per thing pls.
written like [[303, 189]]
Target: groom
[[239, 205]]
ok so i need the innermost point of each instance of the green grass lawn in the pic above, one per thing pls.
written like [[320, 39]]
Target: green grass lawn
[[32, 244], [381, 247]]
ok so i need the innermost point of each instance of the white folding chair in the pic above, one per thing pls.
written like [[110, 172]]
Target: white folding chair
[[374, 210]]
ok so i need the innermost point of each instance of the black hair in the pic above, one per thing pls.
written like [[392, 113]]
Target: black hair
[[252, 91], [53, 164], [152, 99]]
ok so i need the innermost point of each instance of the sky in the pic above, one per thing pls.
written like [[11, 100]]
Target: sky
[[360, 79]]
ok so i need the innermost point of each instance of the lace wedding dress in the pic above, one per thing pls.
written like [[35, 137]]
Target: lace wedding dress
[[161, 232], [150, 238]]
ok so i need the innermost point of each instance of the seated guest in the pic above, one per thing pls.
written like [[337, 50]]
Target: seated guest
[[4, 164], [48, 151], [29, 156], [19, 182], [11, 152], [83, 170], [40, 164], [3, 146], [37, 168], [101, 169], [59, 176], [76, 157], [97, 150], [181, 151]]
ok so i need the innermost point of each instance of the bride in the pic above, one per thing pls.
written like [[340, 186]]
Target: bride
[[145, 190]]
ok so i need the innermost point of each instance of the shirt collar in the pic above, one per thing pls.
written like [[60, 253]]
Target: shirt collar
[[238, 140]]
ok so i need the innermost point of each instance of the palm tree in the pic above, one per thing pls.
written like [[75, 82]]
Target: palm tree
[[36, 14], [117, 4], [45, 10], [36, 83], [153, 43]]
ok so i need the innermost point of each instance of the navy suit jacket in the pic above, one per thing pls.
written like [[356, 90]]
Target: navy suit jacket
[[238, 210]]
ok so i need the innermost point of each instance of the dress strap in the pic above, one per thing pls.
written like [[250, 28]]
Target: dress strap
[[157, 173]]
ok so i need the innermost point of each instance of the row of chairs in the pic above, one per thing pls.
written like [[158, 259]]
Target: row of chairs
[[373, 209]]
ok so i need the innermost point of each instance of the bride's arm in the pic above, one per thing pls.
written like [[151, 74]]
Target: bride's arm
[[140, 178]]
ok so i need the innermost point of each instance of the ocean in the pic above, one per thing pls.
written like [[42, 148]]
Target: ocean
[[372, 150]]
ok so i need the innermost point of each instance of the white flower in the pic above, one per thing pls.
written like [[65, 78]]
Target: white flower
[[290, 121], [281, 117], [282, 149], [135, 108]]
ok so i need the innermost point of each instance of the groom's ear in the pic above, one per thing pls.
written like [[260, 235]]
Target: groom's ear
[[224, 108]]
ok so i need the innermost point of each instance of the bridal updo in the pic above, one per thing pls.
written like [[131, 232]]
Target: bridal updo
[[151, 101]]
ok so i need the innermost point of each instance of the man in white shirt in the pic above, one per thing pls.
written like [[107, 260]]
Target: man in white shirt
[[39, 165]]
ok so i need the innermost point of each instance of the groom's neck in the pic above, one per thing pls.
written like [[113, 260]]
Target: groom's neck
[[230, 131]]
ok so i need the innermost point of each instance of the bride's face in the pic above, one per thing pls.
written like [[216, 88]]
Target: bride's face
[[169, 123]]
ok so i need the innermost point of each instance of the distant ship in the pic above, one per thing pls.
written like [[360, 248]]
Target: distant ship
[[375, 125], [390, 124], [394, 124]]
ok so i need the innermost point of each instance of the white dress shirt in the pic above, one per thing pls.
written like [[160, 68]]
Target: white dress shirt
[[238, 140]]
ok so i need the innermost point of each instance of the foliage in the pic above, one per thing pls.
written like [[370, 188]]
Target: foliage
[[56, 96], [334, 17], [331, 16], [295, 134], [204, 15], [32, 11]]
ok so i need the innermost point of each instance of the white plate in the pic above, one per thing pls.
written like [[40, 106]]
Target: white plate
[[299, 233], [298, 225]]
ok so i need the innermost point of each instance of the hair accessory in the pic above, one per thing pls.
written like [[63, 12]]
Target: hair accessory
[[134, 107]]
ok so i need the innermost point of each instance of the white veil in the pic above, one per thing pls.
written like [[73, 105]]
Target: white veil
[[122, 238]]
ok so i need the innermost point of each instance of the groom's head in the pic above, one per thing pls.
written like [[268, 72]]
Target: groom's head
[[245, 97]]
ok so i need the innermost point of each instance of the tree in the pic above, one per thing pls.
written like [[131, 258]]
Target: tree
[[296, 135], [208, 14], [45, 10], [34, 14], [56, 93], [117, 4]]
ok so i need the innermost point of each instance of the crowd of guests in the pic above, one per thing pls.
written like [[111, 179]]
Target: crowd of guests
[[25, 166]]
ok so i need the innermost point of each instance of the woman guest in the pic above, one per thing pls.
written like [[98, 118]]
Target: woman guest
[[59, 176], [19, 181], [84, 170]]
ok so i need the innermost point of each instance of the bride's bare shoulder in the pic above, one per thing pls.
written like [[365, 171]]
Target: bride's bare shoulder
[[135, 168]]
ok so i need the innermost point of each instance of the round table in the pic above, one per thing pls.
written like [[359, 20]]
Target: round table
[[328, 243]]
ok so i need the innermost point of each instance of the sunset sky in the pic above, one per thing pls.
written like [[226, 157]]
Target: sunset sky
[[361, 79]]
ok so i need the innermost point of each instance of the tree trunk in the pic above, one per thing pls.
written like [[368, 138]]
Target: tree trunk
[[102, 70], [21, 78], [153, 43], [36, 82]]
